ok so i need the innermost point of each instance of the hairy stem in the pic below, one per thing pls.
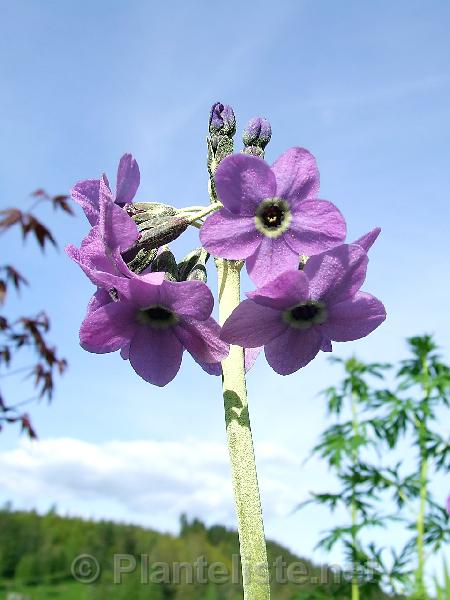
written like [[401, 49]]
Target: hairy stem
[[354, 511], [240, 445], [206, 210]]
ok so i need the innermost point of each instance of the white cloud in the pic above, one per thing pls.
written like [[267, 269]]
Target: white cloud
[[151, 482]]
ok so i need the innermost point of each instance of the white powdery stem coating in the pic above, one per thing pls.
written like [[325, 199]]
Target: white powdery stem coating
[[240, 445]]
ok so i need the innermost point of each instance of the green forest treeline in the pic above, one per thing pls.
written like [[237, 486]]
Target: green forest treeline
[[37, 552]]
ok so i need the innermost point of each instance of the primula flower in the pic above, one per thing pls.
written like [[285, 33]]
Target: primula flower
[[87, 193], [271, 215], [100, 253], [152, 323], [301, 312]]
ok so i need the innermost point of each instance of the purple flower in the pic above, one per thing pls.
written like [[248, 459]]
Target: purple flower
[[271, 215], [87, 193], [301, 312], [448, 505], [152, 323], [100, 253]]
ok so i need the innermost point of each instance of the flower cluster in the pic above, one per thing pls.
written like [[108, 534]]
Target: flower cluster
[[293, 243], [150, 319]]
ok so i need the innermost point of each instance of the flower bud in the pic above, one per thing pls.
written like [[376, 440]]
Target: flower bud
[[146, 211], [222, 120], [139, 260], [257, 133], [165, 262], [155, 236], [193, 266]]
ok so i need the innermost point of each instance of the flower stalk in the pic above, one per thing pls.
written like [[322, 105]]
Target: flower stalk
[[240, 445]]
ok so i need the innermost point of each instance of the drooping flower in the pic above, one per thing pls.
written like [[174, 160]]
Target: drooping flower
[[448, 505], [152, 322], [100, 253], [301, 312], [271, 215], [87, 193]]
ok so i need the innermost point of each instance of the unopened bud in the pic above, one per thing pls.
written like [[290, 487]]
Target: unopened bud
[[144, 250], [257, 133], [222, 120], [155, 236], [165, 262], [141, 259], [146, 211], [193, 266]]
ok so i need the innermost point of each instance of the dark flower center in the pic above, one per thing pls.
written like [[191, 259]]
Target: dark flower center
[[305, 312], [157, 316], [272, 216], [305, 315], [158, 313]]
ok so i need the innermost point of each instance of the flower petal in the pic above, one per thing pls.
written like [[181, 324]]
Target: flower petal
[[187, 298], [251, 325], [250, 356], [210, 368], [366, 241], [143, 293], [128, 179], [117, 229], [272, 257], [287, 290], [292, 350], [316, 225], [99, 299], [104, 271], [354, 318], [125, 351], [155, 355], [230, 236], [326, 345], [201, 339], [108, 328], [297, 175], [86, 194], [242, 181], [337, 274]]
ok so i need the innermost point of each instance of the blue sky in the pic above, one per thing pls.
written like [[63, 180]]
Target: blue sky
[[363, 86]]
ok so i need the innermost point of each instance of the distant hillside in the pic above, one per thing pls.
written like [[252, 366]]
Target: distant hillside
[[37, 555]]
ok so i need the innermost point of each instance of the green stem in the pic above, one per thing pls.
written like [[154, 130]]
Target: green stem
[[206, 210], [354, 510], [240, 445]]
